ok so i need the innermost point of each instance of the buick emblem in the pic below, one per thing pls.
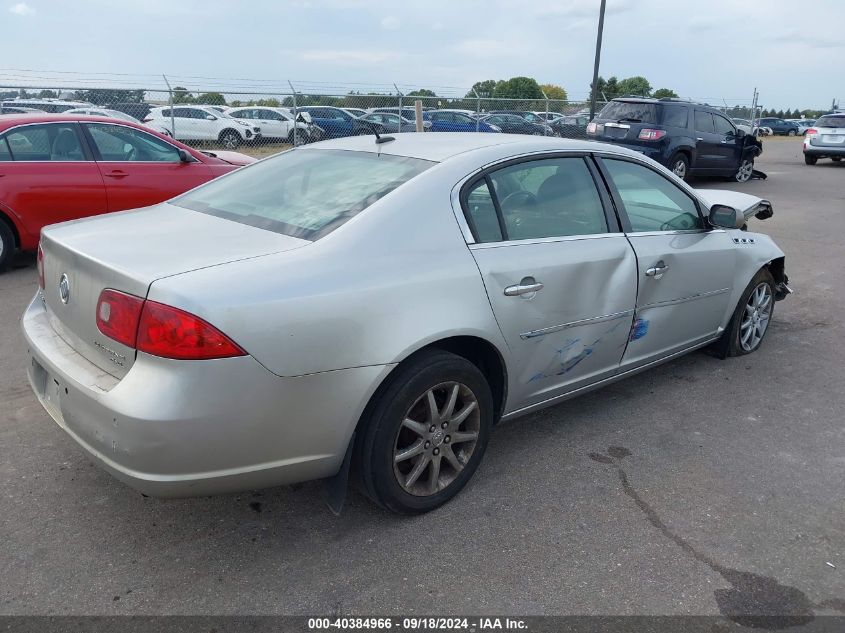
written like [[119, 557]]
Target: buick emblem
[[64, 288]]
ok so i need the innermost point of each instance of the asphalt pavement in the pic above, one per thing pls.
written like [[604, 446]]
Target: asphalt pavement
[[701, 487]]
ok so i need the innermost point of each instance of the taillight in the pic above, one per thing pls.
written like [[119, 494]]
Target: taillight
[[40, 265], [172, 333], [647, 134], [591, 128], [118, 315], [160, 330], [812, 131]]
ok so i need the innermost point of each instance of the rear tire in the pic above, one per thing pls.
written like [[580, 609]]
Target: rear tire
[[836, 159], [751, 318], [404, 465], [7, 245], [810, 160], [679, 165], [230, 139]]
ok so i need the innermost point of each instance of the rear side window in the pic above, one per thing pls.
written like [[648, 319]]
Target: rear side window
[[704, 122], [482, 213], [831, 121], [676, 116], [304, 193], [630, 111], [54, 142]]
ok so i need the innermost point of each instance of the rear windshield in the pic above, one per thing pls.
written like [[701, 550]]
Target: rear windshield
[[630, 111], [304, 193], [831, 121]]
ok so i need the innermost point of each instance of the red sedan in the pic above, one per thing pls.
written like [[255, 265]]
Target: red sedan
[[57, 167]]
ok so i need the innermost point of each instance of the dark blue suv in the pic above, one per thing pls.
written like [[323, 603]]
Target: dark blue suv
[[691, 139]]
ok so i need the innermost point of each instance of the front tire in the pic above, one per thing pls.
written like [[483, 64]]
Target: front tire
[[810, 160], [836, 159], [7, 245], [791, 133], [750, 322], [746, 169], [230, 139], [424, 437]]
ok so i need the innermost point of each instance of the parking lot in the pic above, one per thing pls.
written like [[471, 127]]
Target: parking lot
[[701, 487]]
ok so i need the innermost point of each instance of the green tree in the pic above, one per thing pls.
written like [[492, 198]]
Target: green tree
[[267, 103], [635, 86], [104, 96], [518, 88], [211, 98], [779, 114], [606, 89], [48, 94], [665, 93], [483, 89], [554, 92], [181, 95], [422, 92]]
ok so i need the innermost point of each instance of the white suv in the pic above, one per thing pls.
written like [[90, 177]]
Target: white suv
[[275, 123], [202, 123]]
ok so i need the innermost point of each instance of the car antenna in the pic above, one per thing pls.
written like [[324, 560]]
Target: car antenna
[[379, 138]]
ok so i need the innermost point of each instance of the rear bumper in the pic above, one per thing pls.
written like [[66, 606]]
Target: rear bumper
[[823, 151], [188, 428]]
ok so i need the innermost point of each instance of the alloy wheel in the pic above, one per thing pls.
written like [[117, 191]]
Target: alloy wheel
[[755, 321], [744, 172], [679, 169], [436, 439]]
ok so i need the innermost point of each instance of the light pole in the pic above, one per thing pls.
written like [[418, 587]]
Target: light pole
[[596, 65]]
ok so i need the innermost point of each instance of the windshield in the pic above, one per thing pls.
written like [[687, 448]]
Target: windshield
[[831, 121], [632, 111], [304, 193]]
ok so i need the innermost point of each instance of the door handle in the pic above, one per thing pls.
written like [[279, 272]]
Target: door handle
[[525, 287], [116, 174], [657, 270], [699, 139]]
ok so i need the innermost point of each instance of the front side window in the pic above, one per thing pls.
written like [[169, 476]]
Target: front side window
[[53, 142], [5, 154], [554, 197], [652, 202], [723, 126], [304, 193], [119, 143]]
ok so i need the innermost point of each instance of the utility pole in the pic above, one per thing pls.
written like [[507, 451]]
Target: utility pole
[[596, 65]]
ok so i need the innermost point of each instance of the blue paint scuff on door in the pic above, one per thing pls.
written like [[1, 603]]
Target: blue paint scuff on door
[[639, 329], [561, 365]]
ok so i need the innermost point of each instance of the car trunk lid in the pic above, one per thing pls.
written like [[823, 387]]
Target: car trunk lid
[[128, 251]]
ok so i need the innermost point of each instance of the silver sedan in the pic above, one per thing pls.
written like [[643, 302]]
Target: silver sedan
[[379, 305]]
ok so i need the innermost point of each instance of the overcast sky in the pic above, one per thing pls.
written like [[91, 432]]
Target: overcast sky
[[704, 49]]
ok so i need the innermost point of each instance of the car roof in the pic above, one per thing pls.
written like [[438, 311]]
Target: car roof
[[12, 120], [442, 146]]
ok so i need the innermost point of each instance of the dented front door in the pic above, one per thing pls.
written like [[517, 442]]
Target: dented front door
[[565, 308]]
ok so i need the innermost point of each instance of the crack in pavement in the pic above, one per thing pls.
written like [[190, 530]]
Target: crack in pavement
[[753, 600]]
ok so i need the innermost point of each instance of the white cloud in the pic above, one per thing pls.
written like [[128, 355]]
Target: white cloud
[[21, 8], [390, 23], [348, 56]]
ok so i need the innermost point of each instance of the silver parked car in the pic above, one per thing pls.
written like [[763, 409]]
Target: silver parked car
[[381, 303], [826, 139]]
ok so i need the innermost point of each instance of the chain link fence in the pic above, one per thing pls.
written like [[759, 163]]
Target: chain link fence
[[262, 123]]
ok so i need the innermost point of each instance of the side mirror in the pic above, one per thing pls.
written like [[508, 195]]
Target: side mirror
[[304, 117], [210, 117], [725, 217], [185, 157], [426, 125]]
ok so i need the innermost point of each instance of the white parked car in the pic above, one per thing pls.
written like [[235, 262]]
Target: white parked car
[[275, 123], [53, 106], [113, 114], [202, 123]]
